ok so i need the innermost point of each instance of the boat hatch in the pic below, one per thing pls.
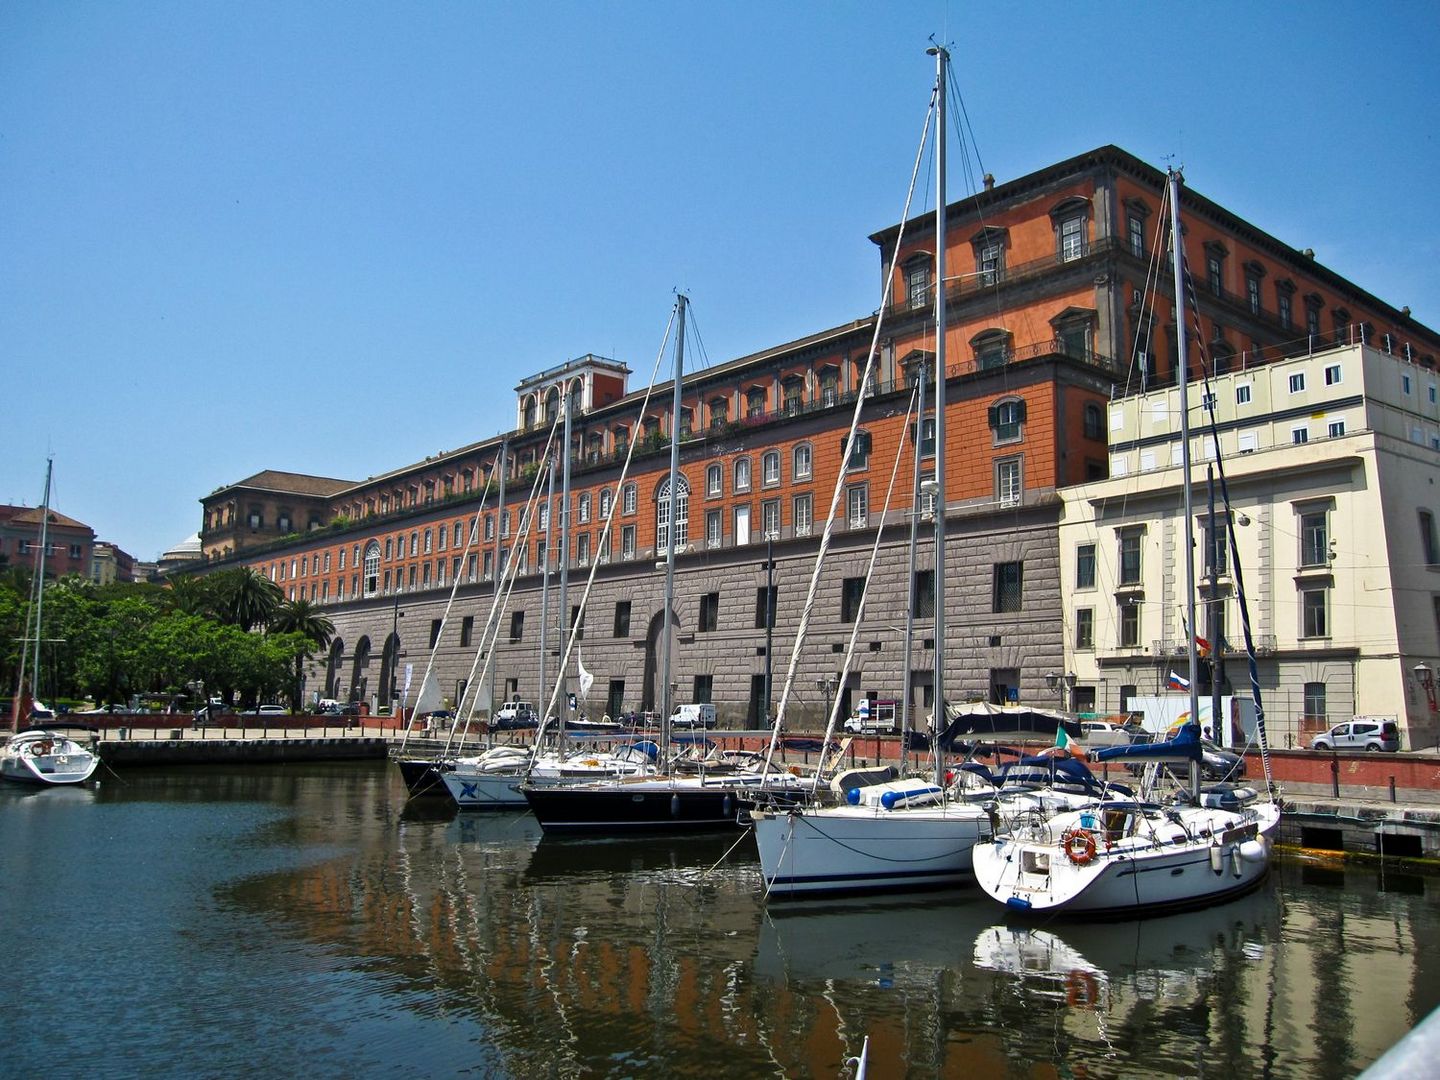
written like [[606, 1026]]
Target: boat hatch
[[1035, 862]]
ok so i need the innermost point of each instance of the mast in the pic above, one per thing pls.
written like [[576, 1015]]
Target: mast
[[487, 681], [545, 578], [941, 717], [1186, 533], [666, 657], [37, 605], [917, 499], [564, 620]]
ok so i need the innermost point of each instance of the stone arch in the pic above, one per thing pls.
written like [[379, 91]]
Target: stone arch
[[360, 670], [389, 662], [332, 669], [651, 692]]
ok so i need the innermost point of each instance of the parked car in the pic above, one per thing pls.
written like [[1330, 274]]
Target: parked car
[[267, 710], [1361, 733], [1096, 733], [1217, 763]]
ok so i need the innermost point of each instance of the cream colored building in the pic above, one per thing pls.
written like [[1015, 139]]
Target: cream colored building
[[1333, 465]]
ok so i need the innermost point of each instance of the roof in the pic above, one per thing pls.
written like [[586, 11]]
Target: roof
[[30, 515], [289, 483]]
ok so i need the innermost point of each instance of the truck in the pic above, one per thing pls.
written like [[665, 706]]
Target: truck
[[873, 718], [697, 715]]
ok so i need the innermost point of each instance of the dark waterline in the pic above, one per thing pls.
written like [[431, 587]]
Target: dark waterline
[[288, 920]]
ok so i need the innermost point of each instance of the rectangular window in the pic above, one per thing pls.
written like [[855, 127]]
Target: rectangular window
[[517, 625], [922, 596], [1242, 394], [1072, 238], [1313, 605], [577, 624], [622, 618], [764, 611], [1405, 385], [1335, 428], [770, 518], [1215, 546], [1213, 275], [582, 549], [488, 565], [1130, 558], [713, 525], [1284, 304], [467, 628], [803, 520], [1252, 291], [709, 612], [1428, 543], [434, 632], [1314, 539], [1007, 482], [857, 505], [712, 481], [1135, 234], [1332, 374], [770, 468], [1085, 628], [1314, 694], [627, 542], [1299, 434], [628, 500], [1129, 624], [704, 689], [852, 590], [1297, 382], [1085, 566], [1007, 581]]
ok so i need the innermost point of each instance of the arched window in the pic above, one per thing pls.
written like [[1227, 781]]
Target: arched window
[[372, 567], [742, 474], [628, 501], [604, 503], [1007, 418], [992, 348], [713, 481], [681, 515], [800, 470], [528, 418], [770, 467], [583, 507]]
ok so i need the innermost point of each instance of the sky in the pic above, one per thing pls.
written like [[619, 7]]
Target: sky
[[331, 238]]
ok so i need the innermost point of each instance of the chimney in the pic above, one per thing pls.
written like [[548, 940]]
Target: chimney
[[989, 181], [1405, 311], [1309, 253]]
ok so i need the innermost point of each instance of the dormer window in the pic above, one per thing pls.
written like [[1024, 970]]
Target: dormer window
[[992, 349]]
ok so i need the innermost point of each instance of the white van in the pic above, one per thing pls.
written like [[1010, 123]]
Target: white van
[[515, 714], [693, 716]]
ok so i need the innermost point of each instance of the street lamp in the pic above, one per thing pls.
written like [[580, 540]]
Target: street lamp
[[1060, 684], [828, 684]]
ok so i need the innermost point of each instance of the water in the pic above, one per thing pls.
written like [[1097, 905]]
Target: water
[[277, 921]]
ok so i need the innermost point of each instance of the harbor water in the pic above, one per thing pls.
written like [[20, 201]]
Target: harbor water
[[303, 919]]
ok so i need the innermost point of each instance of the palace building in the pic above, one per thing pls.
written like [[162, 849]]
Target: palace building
[[1049, 322]]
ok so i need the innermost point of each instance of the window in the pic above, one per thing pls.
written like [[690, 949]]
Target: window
[[1313, 606], [1405, 385], [1085, 628], [829, 386], [1085, 566], [1299, 434], [742, 474], [627, 542], [1214, 274], [922, 595], [372, 567], [992, 349], [582, 549], [713, 529], [517, 625], [489, 527], [917, 282], [1135, 234], [794, 396], [1252, 293], [857, 507], [504, 523], [852, 591], [605, 504], [803, 520], [622, 618], [800, 462], [1215, 538], [1315, 703], [755, 401], [765, 612], [1282, 300], [1242, 393], [1007, 482], [703, 689], [1314, 538], [770, 518], [857, 457], [415, 543], [928, 495], [1297, 382], [1335, 428], [1428, 543], [719, 412], [544, 522], [1006, 420], [682, 515], [434, 632], [1094, 425], [927, 437], [770, 468], [1129, 558], [429, 538], [1006, 585], [713, 481], [1129, 614], [627, 500], [583, 508], [1072, 238]]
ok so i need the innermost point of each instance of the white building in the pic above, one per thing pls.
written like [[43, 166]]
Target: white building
[[1333, 464]]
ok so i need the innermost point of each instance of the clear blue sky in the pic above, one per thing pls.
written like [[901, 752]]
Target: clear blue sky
[[332, 237]]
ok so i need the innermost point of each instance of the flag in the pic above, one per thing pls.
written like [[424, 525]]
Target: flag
[[586, 678], [1178, 683], [1202, 646]]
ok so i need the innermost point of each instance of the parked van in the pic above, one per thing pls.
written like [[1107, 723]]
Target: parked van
[[1362, 733], [515, 714], [693, 716]]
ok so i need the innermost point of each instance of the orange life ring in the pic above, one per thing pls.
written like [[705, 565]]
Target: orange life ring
[[1079, 845], [1081, 989]]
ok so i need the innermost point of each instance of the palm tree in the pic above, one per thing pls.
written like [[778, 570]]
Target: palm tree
[[303, 618], [246, 598]]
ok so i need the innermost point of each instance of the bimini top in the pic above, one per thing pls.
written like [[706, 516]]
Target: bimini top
[[982, 718], [1185, 746]]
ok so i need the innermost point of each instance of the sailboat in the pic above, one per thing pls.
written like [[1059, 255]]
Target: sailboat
[[1145, 857], [664, 802], [45, 756]]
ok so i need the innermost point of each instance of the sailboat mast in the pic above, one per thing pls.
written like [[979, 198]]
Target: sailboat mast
[[667, 659], [941, 716], [1183, 379], [916, 501], [564, 619], [545, 579]]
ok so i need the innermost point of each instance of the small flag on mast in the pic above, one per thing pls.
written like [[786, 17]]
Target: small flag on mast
[[1178, 683]]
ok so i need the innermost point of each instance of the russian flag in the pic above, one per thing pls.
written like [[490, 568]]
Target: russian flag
[[1178, 683]]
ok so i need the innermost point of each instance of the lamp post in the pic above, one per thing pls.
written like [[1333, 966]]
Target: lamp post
[[769, 616], [828, 684], [1060, 684]]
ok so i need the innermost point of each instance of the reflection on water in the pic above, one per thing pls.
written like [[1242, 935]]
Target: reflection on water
[[253, 920]]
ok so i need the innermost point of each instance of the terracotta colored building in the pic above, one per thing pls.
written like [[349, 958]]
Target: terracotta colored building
[[1048, 321], [71, 543]]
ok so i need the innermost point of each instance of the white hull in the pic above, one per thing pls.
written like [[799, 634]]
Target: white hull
[[46, 759], [494, 784], [837, 849], [1194, 857]]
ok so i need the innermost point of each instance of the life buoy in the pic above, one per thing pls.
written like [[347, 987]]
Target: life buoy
[[1081, 989], [1079, 845]]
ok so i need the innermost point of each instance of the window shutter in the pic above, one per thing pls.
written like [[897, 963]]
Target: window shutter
[[994, 417]]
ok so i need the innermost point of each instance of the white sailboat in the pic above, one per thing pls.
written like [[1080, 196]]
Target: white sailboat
[[45, 756], [1143, 857]]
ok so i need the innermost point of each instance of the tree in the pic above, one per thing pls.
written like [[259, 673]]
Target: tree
[[314, 632], [245, 598]]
